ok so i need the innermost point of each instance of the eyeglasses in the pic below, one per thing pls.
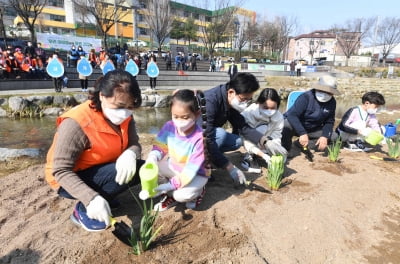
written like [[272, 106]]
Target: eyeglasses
[[244, 99]]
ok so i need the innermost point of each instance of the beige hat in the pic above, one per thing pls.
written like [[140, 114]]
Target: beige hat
[[327, 84]]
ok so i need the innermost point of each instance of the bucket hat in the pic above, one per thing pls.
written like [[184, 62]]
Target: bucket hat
[[327, 84]]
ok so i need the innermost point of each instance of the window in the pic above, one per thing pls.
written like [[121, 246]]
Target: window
[[57, 18], [142, 31], [311, 42], [142, 5], [124, 24], [208, 19], [140, 17], [322, 43], [196, 16], [56, 3], [186, 14]]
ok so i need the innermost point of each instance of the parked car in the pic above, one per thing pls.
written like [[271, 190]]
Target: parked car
[[139, 43]]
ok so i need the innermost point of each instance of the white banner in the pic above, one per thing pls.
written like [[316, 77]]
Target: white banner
[[61, 42]]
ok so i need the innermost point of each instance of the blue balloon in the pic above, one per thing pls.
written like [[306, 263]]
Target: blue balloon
[[152, 70], [84, 67], [109, 66], [132, 67], [55, 68]]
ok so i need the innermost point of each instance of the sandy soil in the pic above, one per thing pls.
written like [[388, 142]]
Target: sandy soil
[[345, 212]]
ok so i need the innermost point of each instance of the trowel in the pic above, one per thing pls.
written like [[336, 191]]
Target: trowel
[[122, 231]]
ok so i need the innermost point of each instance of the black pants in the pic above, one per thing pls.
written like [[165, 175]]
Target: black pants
[[298, 72], [57, 83], [84, 83], [153, 83], [288, 133]]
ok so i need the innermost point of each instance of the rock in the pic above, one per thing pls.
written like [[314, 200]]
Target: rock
[[6, 153], [53, 111], [67, 100], [81, 97], [3, 101], [40, 99], [163, 101], [17, 103], [148, 100], [3, 113]]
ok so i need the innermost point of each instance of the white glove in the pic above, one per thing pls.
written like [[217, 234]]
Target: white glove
[[267, 158], [99, 209], [365, 131], [153, 157], [164, 188], [275, 148], [126, 167], [237, 175]]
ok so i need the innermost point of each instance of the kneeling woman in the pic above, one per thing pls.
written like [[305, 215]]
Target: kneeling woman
[[96, 151]]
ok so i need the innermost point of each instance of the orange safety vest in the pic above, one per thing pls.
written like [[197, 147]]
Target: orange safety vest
[[105, 144]]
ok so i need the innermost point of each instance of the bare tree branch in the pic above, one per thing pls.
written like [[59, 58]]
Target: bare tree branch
[[158, 17], [388, 35], [28, 11], [105, 14]]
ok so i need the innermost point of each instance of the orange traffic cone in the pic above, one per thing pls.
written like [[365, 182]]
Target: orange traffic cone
[[182, 73]]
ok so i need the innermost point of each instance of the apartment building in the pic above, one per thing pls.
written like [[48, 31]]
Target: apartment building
[[62, 17]]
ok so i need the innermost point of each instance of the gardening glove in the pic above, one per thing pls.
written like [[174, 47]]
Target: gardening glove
[[365, 131], [153, 157], [237, 175], [275, 148], [164, 188], [126, 167], [99, 209]]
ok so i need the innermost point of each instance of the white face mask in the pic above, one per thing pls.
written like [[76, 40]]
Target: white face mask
[[372, 111], [322, 97], [183, 125], [117, 116], [239, 106], [267, 112]]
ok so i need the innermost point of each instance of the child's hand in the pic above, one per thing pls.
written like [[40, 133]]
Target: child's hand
[[164, 188], [365, 131]]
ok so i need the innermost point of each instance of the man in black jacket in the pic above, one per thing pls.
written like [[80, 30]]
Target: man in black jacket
[[224, 103], [233, 70]]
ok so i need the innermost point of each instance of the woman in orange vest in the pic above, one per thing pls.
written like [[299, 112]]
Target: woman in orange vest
[[96, 152]]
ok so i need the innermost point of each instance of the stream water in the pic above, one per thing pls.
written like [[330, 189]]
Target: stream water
[[38, 133]]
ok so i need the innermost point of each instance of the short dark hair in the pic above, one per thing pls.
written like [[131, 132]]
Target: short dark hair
[[373, 98], [269, 93], [115, 81], [244, 82]]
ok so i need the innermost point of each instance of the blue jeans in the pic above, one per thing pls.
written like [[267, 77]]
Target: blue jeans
[[227, 141], [101, 178]]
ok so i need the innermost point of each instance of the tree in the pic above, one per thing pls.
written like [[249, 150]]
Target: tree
[[158, 17], [350, 37], [28, 11], [266, 36], [2, 27], [285, 27], [105, 15], [243, 36], [176, 30], [216, 28], [189, 30], [388, 35]]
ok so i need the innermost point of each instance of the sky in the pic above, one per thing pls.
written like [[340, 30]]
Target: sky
[[316, 14]]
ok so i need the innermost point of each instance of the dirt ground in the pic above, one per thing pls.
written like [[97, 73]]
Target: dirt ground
[[345, 212]]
